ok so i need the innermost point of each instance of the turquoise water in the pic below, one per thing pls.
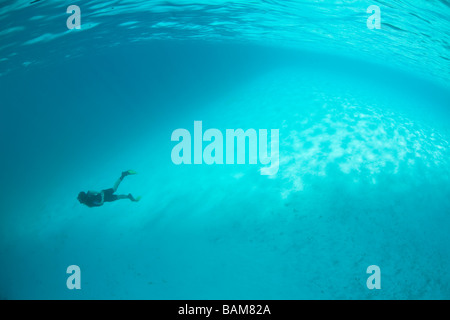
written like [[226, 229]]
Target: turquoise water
[[364, 166]]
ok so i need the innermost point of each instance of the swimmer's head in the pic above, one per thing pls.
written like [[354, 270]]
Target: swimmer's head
[[82, 197]]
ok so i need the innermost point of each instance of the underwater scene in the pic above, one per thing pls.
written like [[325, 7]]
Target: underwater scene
[[214, 149]]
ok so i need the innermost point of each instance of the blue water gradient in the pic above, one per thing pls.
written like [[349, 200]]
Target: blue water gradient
[[363, 162], [414, 34]]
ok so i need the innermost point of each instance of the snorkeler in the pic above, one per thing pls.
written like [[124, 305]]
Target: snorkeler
[[96, 199]]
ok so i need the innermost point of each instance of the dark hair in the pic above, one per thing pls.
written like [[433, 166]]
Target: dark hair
[[82, 196]]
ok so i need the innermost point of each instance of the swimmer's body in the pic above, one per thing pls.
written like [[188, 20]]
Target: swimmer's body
[[97, 199]]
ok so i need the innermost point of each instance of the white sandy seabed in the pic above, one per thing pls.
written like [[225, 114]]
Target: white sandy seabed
[[361, 182]]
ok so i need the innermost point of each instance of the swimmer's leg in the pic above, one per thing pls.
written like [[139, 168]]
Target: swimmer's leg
[[128, 196], [124, 174]]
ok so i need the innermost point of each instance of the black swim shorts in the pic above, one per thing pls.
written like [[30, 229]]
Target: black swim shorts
[[109, 195]]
